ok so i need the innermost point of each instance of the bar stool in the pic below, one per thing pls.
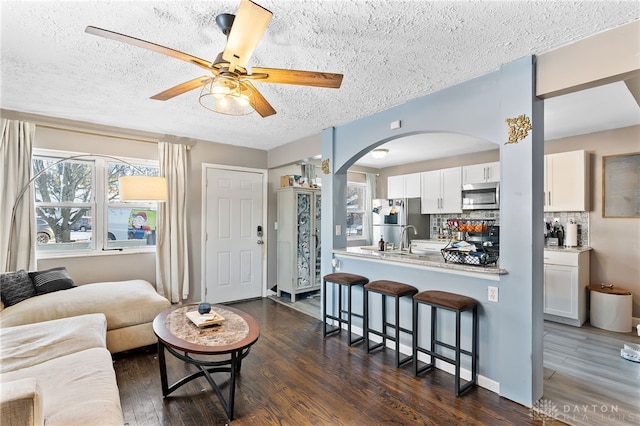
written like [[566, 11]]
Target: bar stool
[[387, 289], [458, 304], [342, 280]]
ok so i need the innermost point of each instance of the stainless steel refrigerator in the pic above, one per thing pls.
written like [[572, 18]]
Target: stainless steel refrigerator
[[390, 216]]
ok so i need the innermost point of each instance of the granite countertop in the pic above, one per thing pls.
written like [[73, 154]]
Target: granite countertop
[[434, 260], [578, 249]]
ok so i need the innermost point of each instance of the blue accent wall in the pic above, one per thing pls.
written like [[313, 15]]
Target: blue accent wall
[[510, 330]]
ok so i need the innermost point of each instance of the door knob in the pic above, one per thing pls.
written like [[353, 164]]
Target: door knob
[[260, 242]]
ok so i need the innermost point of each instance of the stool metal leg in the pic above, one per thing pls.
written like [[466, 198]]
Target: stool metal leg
[[397, 331], [414, 340], [457, 359], [349, 318], [327, 331], [474, 343], [365, 319], [324, 307], [384, 320], [366, 307]]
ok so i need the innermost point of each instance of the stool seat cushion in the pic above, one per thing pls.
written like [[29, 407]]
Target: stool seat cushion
[[391, 288], [346, 279], [445, 299]]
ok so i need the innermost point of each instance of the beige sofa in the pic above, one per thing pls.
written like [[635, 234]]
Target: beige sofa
[[58, 373], [129, 306]]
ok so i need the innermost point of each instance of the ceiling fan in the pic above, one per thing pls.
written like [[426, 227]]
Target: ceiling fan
[[228, 88]]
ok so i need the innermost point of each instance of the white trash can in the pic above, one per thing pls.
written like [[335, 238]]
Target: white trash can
[[610, 308]]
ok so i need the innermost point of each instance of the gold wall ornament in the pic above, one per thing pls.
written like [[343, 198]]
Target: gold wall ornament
[[518, 128], [325, 166]]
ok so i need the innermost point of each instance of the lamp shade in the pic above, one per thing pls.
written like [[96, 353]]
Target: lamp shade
[[225, 94], [143, 188]]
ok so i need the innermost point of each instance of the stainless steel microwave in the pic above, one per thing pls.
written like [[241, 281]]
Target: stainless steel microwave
[[481, 196]]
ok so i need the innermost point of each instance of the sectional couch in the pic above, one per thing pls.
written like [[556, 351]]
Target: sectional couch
[[58, 373], [56, 341], [129, 306]]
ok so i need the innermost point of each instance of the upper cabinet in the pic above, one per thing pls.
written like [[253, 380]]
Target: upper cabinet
[[441, 191], [404, 186], [566, 185], [481, 173]]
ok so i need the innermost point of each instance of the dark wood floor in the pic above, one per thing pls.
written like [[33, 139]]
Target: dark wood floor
[[295, 377]]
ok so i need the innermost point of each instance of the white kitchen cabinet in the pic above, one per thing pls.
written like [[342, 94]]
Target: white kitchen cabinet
[[566, 277], [404, 186], [566, 182], [481, 173], [298, 241], [441, 191]]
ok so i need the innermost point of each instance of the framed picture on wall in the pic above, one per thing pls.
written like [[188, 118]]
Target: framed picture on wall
[[621, 185]]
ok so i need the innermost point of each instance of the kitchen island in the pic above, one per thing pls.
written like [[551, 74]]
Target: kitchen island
[[428, 271], [430, 261]]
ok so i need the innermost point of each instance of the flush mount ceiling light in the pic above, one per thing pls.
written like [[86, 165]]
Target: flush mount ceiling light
[[379, 152], [226, 94]]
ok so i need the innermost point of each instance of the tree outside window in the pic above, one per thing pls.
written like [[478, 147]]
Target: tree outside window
[[78, 205]]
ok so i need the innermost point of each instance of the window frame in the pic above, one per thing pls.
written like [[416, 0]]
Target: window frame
[[99, 204], [365, 218]]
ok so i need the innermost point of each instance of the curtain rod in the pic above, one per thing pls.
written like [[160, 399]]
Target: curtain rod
[[84, 132]]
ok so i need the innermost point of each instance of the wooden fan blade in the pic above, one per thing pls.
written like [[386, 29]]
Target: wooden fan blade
[[149, 46], [260, 104], [248, 26], [302, 78], [182, 88]]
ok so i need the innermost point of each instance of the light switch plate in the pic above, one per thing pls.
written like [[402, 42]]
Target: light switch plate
[[338, 230]]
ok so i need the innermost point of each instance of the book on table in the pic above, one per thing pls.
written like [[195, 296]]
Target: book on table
[[204, 320]]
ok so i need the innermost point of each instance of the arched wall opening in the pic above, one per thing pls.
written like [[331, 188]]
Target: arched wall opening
[[478, 108]]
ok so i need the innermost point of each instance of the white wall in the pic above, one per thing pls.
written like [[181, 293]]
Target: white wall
[[615, 258], [86, 137]]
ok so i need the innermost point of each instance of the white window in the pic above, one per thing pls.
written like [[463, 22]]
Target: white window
[[78, 207], [356, 217]]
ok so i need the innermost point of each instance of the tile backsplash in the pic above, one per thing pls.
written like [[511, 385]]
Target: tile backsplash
[[439, 221], [580, 218]]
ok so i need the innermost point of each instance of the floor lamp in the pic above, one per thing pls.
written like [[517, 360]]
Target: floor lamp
[[137, 188]]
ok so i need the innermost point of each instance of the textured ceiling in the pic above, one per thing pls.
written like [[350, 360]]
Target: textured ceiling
[[389, 52]]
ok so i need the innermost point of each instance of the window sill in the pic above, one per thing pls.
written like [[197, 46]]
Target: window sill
[[92, 253]]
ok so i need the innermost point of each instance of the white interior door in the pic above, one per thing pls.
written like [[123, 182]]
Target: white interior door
[[233, 252]]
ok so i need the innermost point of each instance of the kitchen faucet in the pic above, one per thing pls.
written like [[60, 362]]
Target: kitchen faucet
[[404, 228]]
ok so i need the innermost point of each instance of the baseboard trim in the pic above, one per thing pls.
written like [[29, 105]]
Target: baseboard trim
[[483, 382]]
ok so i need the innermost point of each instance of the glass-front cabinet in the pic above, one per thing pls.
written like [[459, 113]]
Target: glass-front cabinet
[[298, 240]]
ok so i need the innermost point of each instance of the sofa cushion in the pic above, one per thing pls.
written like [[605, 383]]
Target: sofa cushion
[[54, 279], [16, 287], [27, 345], [77, 389], [21, 402], [124, 303]]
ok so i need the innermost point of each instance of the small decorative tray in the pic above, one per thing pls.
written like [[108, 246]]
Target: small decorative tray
[[205, 320]]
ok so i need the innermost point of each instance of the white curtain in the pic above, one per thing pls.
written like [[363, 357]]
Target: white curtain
[[371, 181], [172, 250], [17, 237]]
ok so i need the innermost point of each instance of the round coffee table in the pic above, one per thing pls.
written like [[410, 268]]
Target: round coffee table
[[233, 337]]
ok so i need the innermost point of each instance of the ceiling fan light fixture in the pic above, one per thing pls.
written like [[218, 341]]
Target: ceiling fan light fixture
[[226, 94], [379, 153]]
